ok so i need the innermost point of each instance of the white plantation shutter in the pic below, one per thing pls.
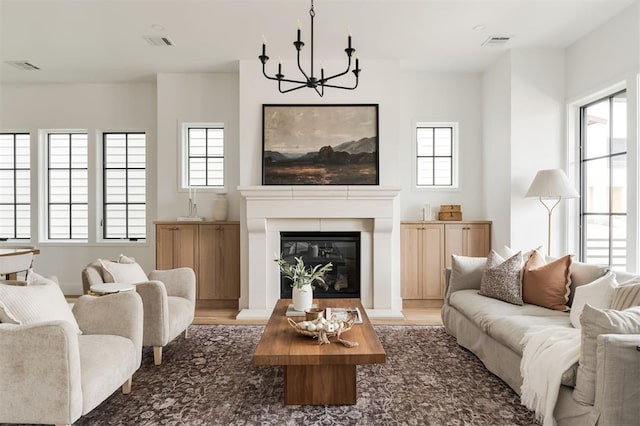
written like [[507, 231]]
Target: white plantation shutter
[[205, 156], [124, 186], [68, 213], [15, 186]]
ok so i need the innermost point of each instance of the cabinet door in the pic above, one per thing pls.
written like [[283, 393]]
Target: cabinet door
[[410, 253], [432, 261], [470, 239], [176, 246], [454, 241], [422, 248], [219, 272], [478, 240]]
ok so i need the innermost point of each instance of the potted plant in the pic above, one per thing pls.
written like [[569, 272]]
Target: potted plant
[[302, 280]]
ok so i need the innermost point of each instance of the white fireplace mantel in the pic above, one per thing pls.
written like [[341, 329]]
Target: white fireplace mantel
[[371, 210]]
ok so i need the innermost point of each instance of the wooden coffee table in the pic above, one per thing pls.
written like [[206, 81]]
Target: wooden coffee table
[[318, 374]]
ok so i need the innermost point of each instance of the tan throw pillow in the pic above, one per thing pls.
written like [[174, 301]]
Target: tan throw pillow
[[547, 284], [501, 278], [626, 295], [123, 273], [41, 301], [594, 323]]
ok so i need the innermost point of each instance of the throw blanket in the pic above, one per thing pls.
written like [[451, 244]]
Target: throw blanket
[[548, 352]]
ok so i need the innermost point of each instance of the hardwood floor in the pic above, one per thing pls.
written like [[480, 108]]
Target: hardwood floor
[[413, 316]]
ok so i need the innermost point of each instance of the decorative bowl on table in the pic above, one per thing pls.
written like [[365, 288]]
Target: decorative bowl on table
[[323, 329]]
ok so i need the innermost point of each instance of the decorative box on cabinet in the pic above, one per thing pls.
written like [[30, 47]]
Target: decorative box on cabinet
[[212, 249], [426, 249]]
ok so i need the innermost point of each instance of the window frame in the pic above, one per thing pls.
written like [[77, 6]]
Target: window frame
[[15, 203], [103, 220], [455, 158], [582, 214], [183, 183]]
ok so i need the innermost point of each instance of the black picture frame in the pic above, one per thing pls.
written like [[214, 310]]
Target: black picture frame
[[320, 144]]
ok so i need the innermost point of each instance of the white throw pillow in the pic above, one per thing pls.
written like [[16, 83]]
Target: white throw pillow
[[41, 301], [598, 294], [124, 273]]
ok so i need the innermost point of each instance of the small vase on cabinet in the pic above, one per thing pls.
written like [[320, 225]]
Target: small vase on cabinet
[[302, 297], [220, 207]]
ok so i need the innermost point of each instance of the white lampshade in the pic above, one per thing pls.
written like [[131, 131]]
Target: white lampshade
[[551, 184]]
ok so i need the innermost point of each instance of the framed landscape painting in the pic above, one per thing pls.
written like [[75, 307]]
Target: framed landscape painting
[[320, 144]]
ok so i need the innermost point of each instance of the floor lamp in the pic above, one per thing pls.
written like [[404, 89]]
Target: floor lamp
[[550, 187]]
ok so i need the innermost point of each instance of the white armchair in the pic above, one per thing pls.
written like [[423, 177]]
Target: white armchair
[[51, 374], [169, 303]]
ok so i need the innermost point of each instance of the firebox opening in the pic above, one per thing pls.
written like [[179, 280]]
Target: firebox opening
[[342, 249]]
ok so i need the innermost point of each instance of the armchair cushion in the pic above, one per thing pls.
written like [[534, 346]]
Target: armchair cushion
[[126, 273], [34, 304]]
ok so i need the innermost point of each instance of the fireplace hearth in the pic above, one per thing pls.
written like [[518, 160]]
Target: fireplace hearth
[[342, 249]]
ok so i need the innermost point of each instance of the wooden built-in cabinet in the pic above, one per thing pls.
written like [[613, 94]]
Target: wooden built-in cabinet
[[212, 249], [426, 249]]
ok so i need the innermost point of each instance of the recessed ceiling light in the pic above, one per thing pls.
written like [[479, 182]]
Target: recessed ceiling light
[[158, 27], [479, 28]]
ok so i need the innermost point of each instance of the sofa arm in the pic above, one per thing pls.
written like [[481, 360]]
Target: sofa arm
[[156, 313], [40, 378], [117, 314], [180, 282], [617, 379]]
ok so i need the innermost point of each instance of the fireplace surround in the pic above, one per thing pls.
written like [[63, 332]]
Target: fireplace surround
[[372, 211]]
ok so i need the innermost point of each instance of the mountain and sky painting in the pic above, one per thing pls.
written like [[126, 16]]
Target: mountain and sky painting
[[320, 145]]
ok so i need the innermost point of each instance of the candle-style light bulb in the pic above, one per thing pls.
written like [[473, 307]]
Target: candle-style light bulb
[[299, 29]]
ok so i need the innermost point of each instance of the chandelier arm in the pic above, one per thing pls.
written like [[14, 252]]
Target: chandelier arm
[[286, 80], [300, 68], [292, 89], [333, 86], [339, 74]]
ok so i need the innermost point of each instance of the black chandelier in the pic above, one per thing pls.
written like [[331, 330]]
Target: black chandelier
[[318, 84]]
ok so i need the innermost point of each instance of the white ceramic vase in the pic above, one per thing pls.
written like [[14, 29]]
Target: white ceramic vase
[[302, 297], [220, 207]]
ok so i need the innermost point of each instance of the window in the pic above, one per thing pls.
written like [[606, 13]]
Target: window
[[603, 181], [15, 186], [124, 181], [67, 186], [204, 155], [435, 155]]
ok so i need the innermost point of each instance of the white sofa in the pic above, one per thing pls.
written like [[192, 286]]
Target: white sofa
[[493, 330]]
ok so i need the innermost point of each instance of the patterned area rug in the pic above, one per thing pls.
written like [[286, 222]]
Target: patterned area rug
[[209, 379]]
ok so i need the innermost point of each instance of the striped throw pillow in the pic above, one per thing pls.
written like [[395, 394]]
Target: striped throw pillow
[[626, 295]]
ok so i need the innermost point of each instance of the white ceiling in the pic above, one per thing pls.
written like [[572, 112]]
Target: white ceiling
[[101, 40]]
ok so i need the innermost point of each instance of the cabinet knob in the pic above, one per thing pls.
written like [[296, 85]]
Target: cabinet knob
[[175, 228]]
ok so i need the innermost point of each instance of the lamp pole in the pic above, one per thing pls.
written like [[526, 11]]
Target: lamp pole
[[549, 212]]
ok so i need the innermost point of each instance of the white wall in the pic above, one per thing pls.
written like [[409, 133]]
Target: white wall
[[537, 142], [603, 61], [195, 98], [95, 108], [523, 118], [496, 148]]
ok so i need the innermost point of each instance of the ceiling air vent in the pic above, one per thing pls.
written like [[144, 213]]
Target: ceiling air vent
[[23, 65], [496, 41], [158, 40]]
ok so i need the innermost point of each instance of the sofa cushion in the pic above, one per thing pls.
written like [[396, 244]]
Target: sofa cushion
[[106, 362], [595, 322], [41, 301], [626, 295], [598, 294], [547, 284], [124, 273], [501, 278], [466, 273]]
